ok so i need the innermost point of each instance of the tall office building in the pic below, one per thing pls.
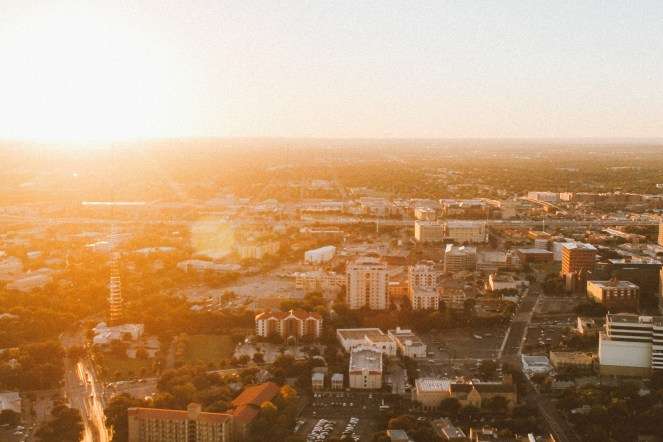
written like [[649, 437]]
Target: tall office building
[[578, 257], [631, 345], [115, 286], [367, 284], [192, 425]]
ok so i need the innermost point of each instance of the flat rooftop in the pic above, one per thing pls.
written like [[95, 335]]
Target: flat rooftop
[[579, 246], [432, 385], [356, 334], [366, 359], [626, 318], [614, 284]]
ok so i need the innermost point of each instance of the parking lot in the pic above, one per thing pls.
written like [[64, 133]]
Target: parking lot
[[542, 337], [476, 343], [322, 429]]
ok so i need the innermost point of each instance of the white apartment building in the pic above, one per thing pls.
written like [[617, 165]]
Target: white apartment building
[[631, 345], [367, 284], [466, 231], [365, 369], [424, 299], [459, 258], [424, 275], [319, 280], [548, 197], [319, 255], [428, 231]]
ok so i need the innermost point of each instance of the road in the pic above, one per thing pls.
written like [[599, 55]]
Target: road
[[86, 393]]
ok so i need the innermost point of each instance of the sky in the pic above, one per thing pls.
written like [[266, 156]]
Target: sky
[[93, 70]]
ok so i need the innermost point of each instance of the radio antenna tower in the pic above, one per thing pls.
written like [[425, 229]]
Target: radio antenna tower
[[115, 284]]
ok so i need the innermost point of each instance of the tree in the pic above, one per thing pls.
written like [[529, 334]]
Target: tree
[[497, 404], [116, 415], [450, 407], [9, 417], [258, 358], [65, 425], [488, 369]]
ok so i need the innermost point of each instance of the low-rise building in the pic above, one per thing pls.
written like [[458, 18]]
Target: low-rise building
[[319, 255], [534, 255], [429, 392], [351, 338], [318, 381], [365, 369], [447, 431], [571, 359], [407, 343], [294, 323], [466, 231], [10, 400], [459, 258], [104, 334], [505, 281], [337, 381], [428, 231], [617, 296], [588, 326], [319, 280], [535, 364]]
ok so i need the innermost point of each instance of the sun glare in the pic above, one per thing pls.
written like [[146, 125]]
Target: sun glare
[[75, 75]]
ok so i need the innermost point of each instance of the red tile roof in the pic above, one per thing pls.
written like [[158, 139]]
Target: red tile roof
[[256, 394]]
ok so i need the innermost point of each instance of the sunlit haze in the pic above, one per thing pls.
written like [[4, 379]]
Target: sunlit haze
[[81, 70]]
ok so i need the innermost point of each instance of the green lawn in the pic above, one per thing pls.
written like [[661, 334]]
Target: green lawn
[[209, 348]]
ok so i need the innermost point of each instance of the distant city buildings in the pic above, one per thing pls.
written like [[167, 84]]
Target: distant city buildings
[[547, 197], [257, 250], [631, 345], [294, 323], [367, 284], [617, 296], [463, 232], [428, 231]]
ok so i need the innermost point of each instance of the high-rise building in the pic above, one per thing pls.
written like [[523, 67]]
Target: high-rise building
[[458, 259], [631, 345], [367, 284], [424, 275], [617, 296], [660, 234], [115, 286], [192, 425], [578, 257]]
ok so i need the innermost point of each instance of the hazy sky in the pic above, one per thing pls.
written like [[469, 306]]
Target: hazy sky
[[122, 69]]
